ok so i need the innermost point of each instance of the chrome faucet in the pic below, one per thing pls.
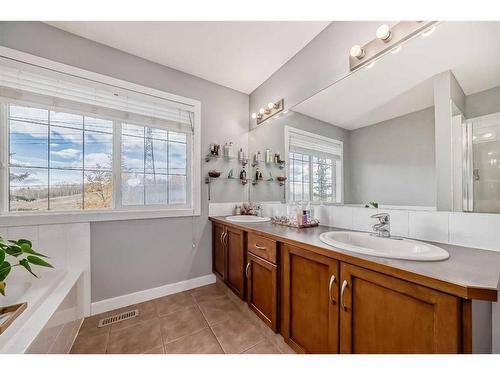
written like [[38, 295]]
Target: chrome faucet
[[383, 227]]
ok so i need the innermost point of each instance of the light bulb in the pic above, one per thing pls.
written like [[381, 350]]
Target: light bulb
[[262, 111], [357, 52], [384, 32], [254, 115]]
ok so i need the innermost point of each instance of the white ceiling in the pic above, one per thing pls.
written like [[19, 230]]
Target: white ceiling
[[239, 55], [402, 83]]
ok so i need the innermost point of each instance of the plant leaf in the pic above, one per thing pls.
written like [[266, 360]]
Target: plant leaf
[[22, 240], [39, 262], [33, 252], [2, 255], [14, 251], [4, 270], [2, 288], [25, 264]]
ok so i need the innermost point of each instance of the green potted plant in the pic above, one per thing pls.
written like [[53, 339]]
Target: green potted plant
[[23, 254]]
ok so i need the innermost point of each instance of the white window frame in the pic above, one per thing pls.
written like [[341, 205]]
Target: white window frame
[[339, 188], [119, 213]]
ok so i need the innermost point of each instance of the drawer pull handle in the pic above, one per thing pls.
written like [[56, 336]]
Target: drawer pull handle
[[344, 285], [222, 238], [332, 280], [246, 269], [260, 247]]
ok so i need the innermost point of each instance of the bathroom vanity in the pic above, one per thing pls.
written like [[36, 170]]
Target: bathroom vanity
[[323, 299]]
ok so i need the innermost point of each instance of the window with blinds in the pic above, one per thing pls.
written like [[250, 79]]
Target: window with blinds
[[75, 144], [315, 167]]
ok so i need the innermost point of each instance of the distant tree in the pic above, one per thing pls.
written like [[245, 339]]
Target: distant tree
[[98, 184], [322, 187]]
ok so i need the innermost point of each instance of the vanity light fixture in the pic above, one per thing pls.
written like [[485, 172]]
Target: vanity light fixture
[[384, 33], [271, 109], [388, 39]]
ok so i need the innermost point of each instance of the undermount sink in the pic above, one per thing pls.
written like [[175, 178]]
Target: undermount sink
[[396, 248], [247, 219]]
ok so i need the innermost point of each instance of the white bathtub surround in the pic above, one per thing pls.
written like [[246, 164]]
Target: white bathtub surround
[[60, 297]]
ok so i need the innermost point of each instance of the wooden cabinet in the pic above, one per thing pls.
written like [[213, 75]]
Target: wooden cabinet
[[383, 314], [219, 250], [262, 289], [235, 260], [228, 257], [321, 304], [310, 301]]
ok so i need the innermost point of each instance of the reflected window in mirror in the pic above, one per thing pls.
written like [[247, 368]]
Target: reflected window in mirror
[[315, 167]]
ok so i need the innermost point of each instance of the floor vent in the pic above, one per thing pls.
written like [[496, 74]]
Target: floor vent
[[118, 318]]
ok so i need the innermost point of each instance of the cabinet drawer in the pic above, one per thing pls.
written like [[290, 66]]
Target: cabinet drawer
[[262, 246]]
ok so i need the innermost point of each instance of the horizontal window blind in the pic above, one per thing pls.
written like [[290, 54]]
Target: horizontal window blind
[[314, 146], [41, 86]]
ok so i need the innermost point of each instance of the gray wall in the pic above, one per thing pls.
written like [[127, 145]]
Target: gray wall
[[483, 103], [129, 256], [272, 135], [392, 162]]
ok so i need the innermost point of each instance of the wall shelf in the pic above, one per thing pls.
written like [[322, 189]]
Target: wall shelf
[[280, 165], [211, 157]]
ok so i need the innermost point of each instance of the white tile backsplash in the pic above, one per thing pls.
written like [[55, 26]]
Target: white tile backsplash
[[476, 230], [429, 226], [341, 217], [458, 228], [361, 219]]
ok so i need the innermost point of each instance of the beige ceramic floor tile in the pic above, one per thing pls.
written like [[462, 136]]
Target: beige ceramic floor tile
[[138, 338], [236, 336], [174, 302], [217, 310], [147, 311], [203, 342], [156, 350], [208, 292], [95, 344], [182, 323], [263, 347]]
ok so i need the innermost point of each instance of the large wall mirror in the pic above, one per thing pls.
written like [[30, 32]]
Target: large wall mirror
[[419, 129]]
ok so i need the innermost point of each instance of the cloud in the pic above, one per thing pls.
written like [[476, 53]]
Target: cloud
[[67, 153], [98, 158]]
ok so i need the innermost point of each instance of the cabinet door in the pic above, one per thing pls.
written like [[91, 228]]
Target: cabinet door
[[262, 289], [218, 251], [235, 260], [310, 308], [383, 314]]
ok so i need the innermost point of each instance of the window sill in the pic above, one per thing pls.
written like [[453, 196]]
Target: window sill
[[21, 219]]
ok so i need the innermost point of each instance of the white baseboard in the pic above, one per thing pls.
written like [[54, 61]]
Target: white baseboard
[[149, 294]]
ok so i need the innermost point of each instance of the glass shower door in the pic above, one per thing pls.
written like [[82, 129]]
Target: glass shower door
[[481, 158]]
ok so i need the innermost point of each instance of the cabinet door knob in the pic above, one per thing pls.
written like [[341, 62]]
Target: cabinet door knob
[[344, 285], [247, 268], [332, 280]]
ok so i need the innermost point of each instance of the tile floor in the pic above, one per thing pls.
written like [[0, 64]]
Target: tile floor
[[209, 319]]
